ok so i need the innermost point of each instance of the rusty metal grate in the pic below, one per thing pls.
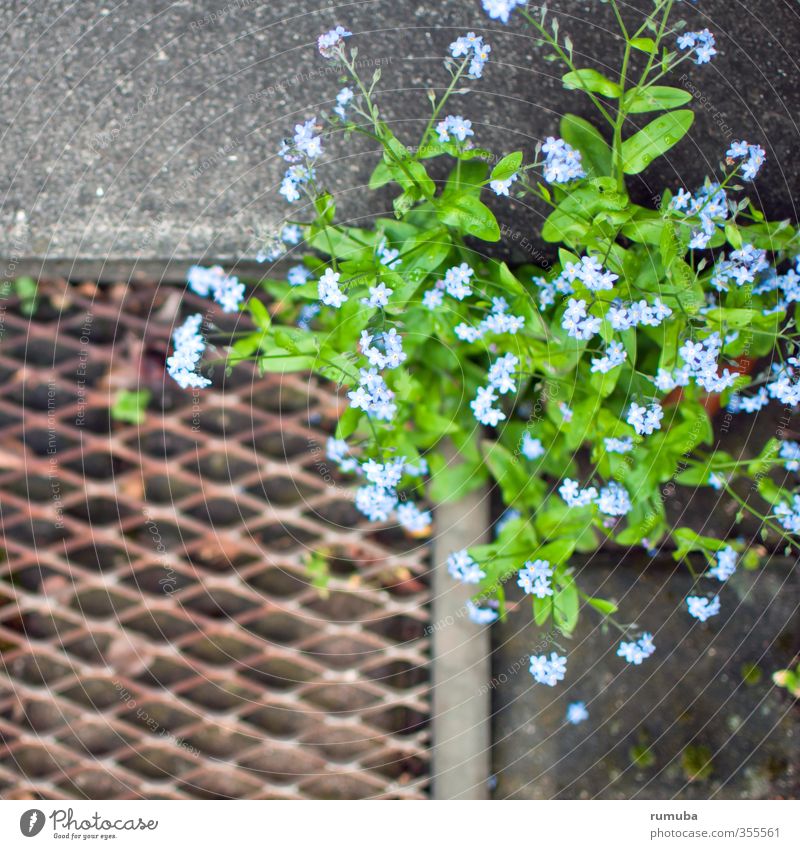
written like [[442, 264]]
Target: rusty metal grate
[[159, 635]]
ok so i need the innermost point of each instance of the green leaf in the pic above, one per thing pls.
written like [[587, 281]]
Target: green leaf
[[607, 608], [259, 312], [317, 569], [655, 139], [655, 98], [348, 423], [733, 235], [130, 406], [646, 45], [507, 166], [450, 482], [325, 206], [380, 176], [587, 79], [586, 138], [471, 217], [566, 604]]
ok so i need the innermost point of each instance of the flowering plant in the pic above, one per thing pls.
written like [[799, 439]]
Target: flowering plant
[[584, 391]]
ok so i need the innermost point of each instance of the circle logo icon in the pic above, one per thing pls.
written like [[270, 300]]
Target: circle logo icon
[[31, 822]]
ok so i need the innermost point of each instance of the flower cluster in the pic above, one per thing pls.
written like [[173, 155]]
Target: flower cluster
[[612, 500], [328, 289], [497, 322], [454, 126], [388, 353], [700, 43], [790, 453], [562, 163], [373, 396], [577, 322], [531, 447], [463, 568], [702, 608], [343, 100], [188, 349], [788, 514], [278, 243], [499, 10], [615, 356], [534, 578], [550, 670], [645, 420], [742, 267], [629, 311], [329, 42], [751, 155], [500, 383], [226, 290], [636, 651], [725, 565], [379, 497], [701, 358], [785, 386], [481, 615], [473, 47], [576, 713], [709, 204]]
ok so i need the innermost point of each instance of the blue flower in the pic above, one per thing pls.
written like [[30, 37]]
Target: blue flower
[[788, 515], [227, 291], [375, 502], [483, 409], [574, 496], [726, 564], [752, 155], [509, 515], [614, 500], [412, 519], [455, 126], [534, 578], [373, 396], [189, 346], [701, 608], [637, 651], [615, 356], [645, 420], [701, 43], [531, 447], [298, 275], [463, 568], [481, 615], [562, 163], [618, 446], [790, 451], [330, 41], [343, 99], [328, 288], [502, 187], [576, 713], [474, 45], [338, 451], [548, 671], [499, 10]]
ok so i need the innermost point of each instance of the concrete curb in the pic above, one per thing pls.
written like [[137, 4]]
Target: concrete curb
[[461, 667]]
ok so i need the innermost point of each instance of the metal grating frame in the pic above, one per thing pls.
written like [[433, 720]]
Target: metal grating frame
[[159, 633]]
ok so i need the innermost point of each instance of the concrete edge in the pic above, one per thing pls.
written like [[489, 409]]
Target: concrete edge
[[114, 270], [461, 661]]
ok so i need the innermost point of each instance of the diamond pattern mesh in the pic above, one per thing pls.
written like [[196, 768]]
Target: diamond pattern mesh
[[161, 634]]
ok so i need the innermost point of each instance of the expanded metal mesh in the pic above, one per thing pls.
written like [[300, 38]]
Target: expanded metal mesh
[[161, 633]]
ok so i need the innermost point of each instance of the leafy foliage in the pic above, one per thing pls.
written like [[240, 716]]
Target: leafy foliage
[[599, 366]]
